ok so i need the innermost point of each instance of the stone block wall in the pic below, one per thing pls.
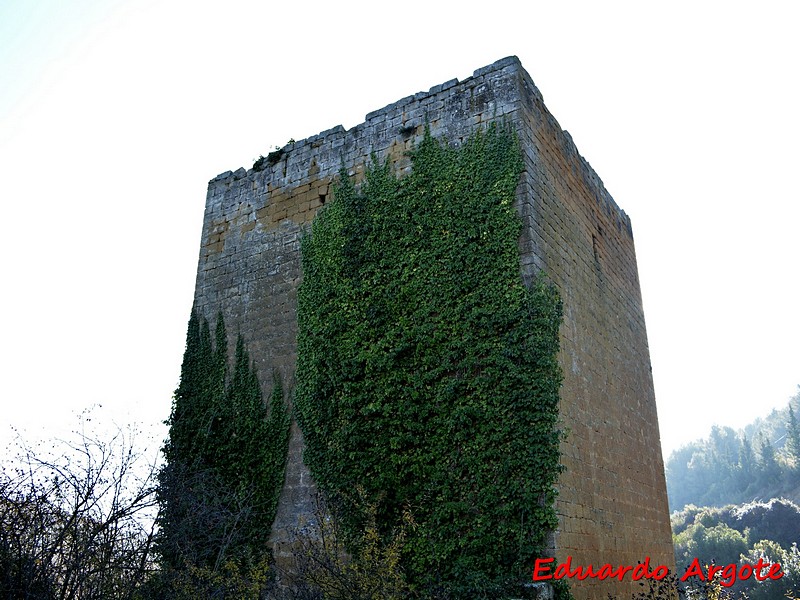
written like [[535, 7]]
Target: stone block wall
[[612, 497]]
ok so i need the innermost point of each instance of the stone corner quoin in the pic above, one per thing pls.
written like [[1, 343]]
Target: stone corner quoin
[[612, 500]]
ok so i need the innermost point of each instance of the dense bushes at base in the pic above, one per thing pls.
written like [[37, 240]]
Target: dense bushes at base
[[743, 534], [777, 520]]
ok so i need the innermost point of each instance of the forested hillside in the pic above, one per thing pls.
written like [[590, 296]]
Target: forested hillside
[[734, 498], [759, 462]]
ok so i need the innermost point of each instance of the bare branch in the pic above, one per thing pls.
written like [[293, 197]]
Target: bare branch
[[78, 522]]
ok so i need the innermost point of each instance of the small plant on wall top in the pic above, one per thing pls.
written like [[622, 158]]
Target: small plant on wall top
[[427, 371]]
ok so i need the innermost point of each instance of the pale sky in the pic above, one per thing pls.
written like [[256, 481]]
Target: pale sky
[[115, 114]]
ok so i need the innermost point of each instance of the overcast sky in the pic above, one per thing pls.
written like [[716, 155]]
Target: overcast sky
[[114, 114]]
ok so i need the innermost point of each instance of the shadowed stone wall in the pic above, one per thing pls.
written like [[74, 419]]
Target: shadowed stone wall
[[612, 502]]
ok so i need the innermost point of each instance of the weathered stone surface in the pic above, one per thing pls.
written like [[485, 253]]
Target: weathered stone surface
[[612, 501]]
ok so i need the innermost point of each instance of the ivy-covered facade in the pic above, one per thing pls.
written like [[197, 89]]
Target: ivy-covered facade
[[427, 372]]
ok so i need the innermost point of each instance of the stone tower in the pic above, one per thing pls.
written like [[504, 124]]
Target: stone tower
[[612, 501]]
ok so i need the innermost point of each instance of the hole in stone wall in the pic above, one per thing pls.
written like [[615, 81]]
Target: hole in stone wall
[[322, 198]]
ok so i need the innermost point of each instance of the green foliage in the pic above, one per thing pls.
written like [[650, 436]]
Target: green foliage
[[224, 460], [231, 579], [769, 469], [738, 535], [260, 163], [324, 568], [793, 436], [732, 467], [427, 371], [671, 588], [719, 543], [777, 520], [787, 586]]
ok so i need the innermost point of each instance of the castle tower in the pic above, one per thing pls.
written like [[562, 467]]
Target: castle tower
[[612, 502]]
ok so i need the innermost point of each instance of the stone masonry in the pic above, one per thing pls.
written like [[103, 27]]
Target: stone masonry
[[612, 501]]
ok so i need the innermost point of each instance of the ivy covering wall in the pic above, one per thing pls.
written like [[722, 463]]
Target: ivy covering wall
[[224, 460], [427, 372]]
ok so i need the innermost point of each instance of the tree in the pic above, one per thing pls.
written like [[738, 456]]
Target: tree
[[793, 436], [78, 523], [718, 543], [770, 472], [760, 461], [690, 476], [788, 586], [747, 464], [224, 464]]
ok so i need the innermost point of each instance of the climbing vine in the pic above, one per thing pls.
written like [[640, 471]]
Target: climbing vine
[[224, 461], [427, 371]]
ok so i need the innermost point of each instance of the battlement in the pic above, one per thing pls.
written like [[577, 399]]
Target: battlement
[[451, 110], [612, 500]]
